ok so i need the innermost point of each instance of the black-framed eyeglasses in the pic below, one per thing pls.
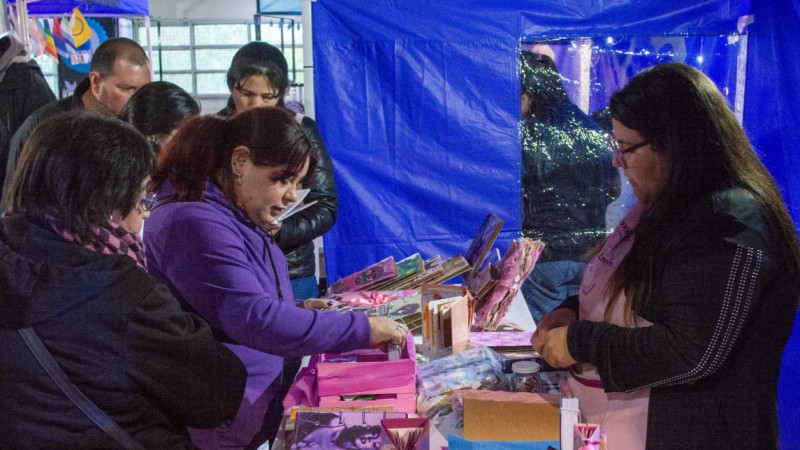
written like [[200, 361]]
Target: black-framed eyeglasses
[[618, 151], [148, 202]]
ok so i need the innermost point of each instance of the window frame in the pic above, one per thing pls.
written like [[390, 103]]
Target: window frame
[[290, 49]]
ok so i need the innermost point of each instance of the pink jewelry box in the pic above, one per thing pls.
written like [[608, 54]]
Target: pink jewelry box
[[370, 373]]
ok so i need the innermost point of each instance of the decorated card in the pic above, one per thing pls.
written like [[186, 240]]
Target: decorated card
[[483, 242], [405, 268], [365, 278], [432, 268], [340, 430]]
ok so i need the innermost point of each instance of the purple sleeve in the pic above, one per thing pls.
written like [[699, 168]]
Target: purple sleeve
[[215, 267]]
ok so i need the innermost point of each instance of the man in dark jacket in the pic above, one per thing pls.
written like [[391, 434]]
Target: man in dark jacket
[[119, 67], [23, 90]]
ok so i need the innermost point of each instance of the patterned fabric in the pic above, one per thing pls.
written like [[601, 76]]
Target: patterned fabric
[[110, 239]]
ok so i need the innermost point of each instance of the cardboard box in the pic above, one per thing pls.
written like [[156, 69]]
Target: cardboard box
[[368, 372], [510, 416]]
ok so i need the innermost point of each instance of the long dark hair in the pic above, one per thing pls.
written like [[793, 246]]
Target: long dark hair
[[81, 167], [679, 111], [202, 149], [259, 59]]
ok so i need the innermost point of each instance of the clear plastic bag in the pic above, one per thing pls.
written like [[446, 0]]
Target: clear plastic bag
[[477, 367]]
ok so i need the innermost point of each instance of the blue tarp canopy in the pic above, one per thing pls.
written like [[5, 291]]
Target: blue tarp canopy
[[419, 100], [88, 7]]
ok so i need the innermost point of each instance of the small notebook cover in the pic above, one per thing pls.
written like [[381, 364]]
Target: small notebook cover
[[482, 242], [365, 278], [482, 283], [404, 268], [432, 268]]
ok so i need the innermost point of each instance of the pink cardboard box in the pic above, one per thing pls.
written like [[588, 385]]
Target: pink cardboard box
[[368, 372]]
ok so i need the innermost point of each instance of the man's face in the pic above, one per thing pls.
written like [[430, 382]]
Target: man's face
[[113, 91]]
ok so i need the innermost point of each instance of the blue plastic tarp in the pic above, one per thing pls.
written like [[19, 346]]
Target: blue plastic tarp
[[771, 119], [88, 7], [418, 102]]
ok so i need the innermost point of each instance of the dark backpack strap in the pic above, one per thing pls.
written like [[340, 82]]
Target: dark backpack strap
[[91, 410]]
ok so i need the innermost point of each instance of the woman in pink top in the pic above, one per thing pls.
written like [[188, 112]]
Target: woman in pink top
[[676, 338]]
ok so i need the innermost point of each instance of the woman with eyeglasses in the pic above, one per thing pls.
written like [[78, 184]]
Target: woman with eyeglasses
[[73, 270], [222, 183], [677, 337]]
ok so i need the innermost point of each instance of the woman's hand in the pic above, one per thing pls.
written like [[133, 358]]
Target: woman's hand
[[384, 332], [552, 345], [315, 303], [556, 318], [550, 337]]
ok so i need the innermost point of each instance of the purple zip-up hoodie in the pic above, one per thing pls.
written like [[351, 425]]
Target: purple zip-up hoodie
[[231, 273]]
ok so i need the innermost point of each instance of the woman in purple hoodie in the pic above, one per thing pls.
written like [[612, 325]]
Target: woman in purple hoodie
[[221, 185]]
